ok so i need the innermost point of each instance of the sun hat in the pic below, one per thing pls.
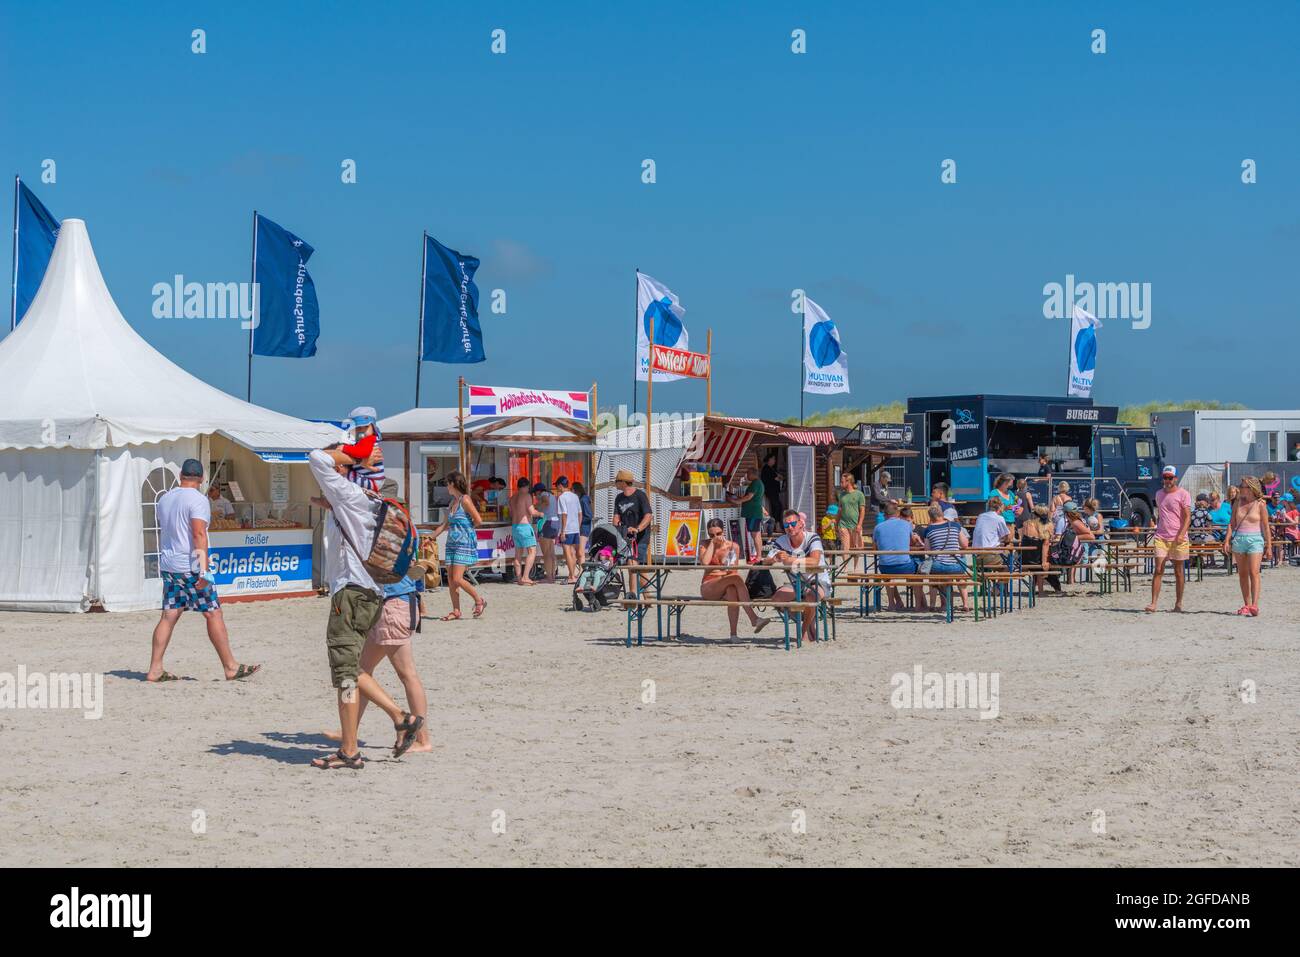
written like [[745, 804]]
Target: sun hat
[[1071, 506], [832, 510]]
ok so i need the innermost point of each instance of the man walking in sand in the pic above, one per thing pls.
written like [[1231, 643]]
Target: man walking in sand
[[1173, 518], [569, 510], [356, 604], [184, 514]]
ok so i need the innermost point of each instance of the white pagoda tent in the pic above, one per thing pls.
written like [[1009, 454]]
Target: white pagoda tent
[[91, 418]]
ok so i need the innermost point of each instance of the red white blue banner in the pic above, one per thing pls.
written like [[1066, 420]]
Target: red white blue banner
[[498, 400]]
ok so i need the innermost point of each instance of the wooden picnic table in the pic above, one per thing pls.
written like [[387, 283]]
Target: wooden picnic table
[[637, 606]]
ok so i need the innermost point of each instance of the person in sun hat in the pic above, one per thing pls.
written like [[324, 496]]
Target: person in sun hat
[[368, 472], [1173, 519], [633, 516]]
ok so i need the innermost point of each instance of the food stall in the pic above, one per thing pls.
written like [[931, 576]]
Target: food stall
[[696, 463], [260, 540], [498, 433]]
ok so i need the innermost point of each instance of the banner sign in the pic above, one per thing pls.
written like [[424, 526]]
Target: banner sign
[[260, 562], [683, 539], [678, 362], [1083, 414], [498, 400], [659, 318], [874, 433], [449, 325], [825, 364], [495, 543], [1083, 352], [288, 313]]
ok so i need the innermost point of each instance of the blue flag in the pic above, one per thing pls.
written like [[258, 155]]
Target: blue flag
[[450, 320], [288, 313], [37, 231]]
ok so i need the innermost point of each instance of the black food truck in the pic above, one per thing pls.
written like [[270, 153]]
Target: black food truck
[[966, 441]]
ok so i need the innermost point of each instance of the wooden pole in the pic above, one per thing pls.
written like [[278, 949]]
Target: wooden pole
[[649, 405], [708, 382], [419, 347], [460, 419], [257, 309]]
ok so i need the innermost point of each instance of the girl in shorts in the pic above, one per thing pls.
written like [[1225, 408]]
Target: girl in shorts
[[1250, 541]]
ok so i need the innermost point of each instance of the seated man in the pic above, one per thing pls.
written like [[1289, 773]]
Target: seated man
[[945, 534], [896, 534], [992, 531], [798, 546]]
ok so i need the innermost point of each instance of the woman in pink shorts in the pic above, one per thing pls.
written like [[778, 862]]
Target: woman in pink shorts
[[390, 637]]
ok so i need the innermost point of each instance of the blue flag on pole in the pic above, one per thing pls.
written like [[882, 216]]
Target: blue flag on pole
[[288, 315], [450, 320], [37, 231]]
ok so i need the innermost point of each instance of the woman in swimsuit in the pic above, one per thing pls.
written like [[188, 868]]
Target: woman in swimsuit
[[722, 584], [1250, 540]]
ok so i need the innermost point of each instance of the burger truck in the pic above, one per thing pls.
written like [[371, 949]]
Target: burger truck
[[966, 441]]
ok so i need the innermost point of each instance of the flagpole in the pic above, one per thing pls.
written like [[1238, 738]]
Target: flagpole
[[636, 335], [803, 324], [649, 406], [460, 418], [419, 348], [13, 299], [256, 310], [708, 383]]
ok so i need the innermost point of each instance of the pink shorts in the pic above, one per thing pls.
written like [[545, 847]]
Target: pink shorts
[[393, 626]]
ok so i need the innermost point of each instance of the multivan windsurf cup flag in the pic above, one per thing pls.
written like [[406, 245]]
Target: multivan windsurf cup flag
[[825, 365], [659, 313], [1083, 352], [35, 233], [450, 331], [288, 315]]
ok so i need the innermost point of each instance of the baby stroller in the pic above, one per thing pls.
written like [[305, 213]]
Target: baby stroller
[[600, 581]]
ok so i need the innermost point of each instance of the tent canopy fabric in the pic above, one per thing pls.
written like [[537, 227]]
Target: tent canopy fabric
[[74, 374], [482, 429]]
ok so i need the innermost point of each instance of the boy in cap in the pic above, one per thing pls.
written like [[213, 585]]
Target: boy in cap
[[184, 514], [368, 472]]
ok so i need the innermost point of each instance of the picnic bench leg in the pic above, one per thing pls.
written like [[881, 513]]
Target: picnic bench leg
[[948, 598]]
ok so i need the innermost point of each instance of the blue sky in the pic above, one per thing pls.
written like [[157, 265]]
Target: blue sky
[[775, 171]]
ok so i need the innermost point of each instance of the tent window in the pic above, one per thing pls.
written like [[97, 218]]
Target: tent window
[[155, 484]]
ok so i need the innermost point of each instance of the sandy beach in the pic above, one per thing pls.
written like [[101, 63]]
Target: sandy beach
[[540, 729]]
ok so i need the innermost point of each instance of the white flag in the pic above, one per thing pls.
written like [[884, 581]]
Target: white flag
[[825, 365], [1083, 352], [657, 309]]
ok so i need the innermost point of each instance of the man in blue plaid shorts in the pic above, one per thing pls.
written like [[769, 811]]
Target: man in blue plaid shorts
[[183, 517]]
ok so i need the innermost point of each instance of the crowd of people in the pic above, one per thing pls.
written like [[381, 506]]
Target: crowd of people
[[369, 622]]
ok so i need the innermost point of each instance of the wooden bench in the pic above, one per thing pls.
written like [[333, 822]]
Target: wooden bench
[[638, 607], [870, 584]]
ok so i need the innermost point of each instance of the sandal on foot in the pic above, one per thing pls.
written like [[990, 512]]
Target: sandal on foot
[[480, 607], [761, 624], [245, 671], [1254, 611], [451, 616], [339, 760], [1244, 611], [165, 676], [408, 729]]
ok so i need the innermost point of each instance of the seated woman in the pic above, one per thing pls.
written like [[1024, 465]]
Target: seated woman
[[1076, 523], [721, 584], [1035, 542], [945, 534]]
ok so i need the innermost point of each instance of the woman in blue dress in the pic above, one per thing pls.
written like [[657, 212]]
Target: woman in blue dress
[[462, 545]]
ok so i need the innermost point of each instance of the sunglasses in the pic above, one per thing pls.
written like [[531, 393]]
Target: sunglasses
[[791, 525]]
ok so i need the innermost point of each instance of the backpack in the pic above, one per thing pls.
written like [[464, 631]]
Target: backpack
[[760, 583], [394, 546], [1063, 551]]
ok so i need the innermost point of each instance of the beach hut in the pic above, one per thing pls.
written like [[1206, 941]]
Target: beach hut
[[94, 426]]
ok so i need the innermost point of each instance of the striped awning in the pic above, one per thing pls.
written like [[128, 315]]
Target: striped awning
[[810, 436], [724, 449]]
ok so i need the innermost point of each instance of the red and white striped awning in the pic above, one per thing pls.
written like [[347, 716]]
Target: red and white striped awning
[[809, 436], [726, 448]]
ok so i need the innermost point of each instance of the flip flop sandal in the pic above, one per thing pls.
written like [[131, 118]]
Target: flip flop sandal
[[451, 616], [165, 676], [244, 672], [410, 728], [353, 763], [478, 612]]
